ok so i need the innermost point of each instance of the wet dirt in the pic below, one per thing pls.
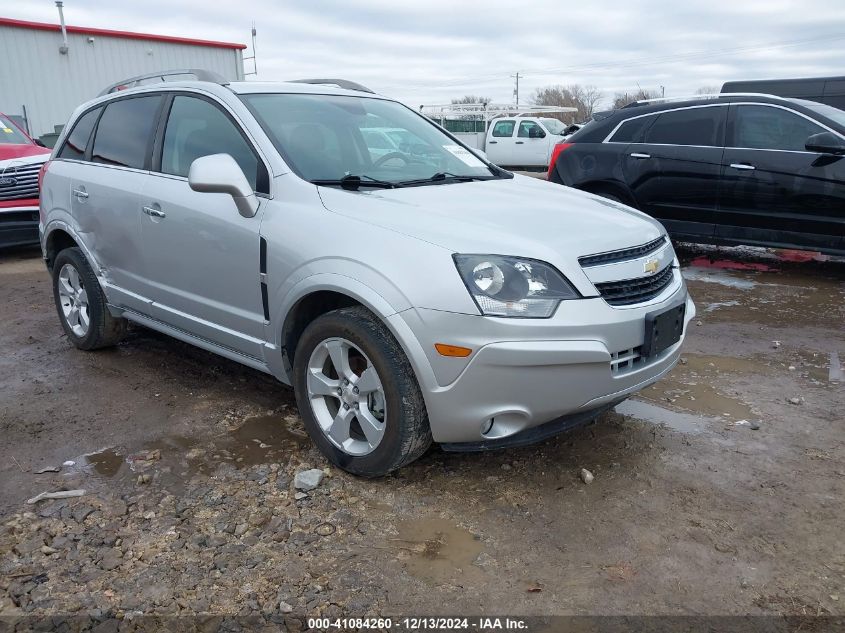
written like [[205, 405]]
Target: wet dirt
[[438, 551], [188, 462]]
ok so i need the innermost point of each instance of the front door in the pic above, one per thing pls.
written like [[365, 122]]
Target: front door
[[202, 257], [531, 145], [773, 189]]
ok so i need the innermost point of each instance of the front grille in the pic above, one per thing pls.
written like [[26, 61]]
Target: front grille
[[625, 361], [18, 183], [639, 290], [625, 254]]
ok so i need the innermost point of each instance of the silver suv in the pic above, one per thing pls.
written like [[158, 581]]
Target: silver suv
[[409, 293]]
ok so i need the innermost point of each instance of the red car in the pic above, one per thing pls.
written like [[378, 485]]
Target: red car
[[21, 159]]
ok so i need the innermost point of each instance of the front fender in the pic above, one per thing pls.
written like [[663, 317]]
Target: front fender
[[364, 294]]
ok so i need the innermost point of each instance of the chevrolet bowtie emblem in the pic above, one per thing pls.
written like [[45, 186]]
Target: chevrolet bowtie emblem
[[651, 266]]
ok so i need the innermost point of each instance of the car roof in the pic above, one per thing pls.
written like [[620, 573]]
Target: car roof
[[597, 129], [246, 87]]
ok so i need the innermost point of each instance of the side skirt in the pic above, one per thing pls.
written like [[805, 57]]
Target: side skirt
[[187, 337]]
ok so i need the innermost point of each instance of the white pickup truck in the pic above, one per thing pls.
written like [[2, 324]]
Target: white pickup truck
[[523, 141]]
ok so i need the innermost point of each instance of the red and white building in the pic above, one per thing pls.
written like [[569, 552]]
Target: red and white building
[[50, 69], [46, 73]]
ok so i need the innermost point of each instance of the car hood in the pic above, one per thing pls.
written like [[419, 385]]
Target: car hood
[[21, 150], [523, 216]]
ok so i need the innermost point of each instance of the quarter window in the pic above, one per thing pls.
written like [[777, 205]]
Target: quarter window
[[503, 128], [125, 132], [77, 140], [763, 127], [197, 128], [631, 131], [691, 126]]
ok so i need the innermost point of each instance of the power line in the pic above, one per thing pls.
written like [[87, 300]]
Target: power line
[[643, 61]]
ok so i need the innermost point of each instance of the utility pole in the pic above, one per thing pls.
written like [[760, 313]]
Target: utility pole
[[662, 91], [254, 56], [516, 90]]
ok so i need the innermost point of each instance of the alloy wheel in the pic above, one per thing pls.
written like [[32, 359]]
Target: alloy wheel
[[346, 396], [74, 300]]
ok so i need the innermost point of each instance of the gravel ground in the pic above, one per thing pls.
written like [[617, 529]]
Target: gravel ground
[[717, 491]]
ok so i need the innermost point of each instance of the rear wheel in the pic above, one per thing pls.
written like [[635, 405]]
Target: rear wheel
[[358, 395], [81, 303]]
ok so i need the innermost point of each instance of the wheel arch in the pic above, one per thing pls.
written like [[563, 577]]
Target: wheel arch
[[325, 292], [617, 189]]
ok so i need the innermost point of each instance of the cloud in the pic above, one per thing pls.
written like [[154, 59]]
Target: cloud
[[429, 52]]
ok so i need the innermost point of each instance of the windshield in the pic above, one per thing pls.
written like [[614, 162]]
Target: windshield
[[834, 114], [10, 135], [324, 138], [554, 126]]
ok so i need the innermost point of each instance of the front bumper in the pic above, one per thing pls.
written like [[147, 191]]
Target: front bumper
[[19, 223], [527, 372]]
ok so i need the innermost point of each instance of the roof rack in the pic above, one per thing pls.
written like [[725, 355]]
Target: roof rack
[[340, 83], [201, 75], [715, 95]]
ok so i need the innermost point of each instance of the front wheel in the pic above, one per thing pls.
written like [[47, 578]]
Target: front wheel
[[357, 394]]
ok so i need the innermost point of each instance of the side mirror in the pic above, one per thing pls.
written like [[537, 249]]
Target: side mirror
[[219, 173], [480, 153], [826, 143], [536, 132]]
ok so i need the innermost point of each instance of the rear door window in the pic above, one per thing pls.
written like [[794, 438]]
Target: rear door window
[[503, 129], [765, 127], [77, 141], [125, 132], [197, 128], [690, 126]]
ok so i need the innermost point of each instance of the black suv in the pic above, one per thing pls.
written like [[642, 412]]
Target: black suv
[[728, 169]]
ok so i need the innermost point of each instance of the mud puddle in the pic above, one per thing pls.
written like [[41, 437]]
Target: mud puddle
[[259, 440], [695, 387], [765, 295], [675, 420], [437, 551]]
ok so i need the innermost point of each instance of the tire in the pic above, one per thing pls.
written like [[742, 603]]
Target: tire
[[73, 277], [405, 433]]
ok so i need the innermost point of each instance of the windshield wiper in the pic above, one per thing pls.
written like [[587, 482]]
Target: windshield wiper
[[442, 176], [353, 183]]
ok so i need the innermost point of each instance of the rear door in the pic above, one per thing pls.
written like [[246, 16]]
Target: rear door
[[501, 142], [773, 189], [106, 185], [672, 166], [201, 256], [531, 147]]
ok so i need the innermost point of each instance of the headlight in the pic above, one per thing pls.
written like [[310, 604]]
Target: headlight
[[513, 286]]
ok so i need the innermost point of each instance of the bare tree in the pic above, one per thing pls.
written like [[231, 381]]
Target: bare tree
[[621, 99], [585, 99], [708, 90], [471, 99]]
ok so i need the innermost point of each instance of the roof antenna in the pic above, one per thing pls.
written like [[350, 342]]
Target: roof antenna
[[63, 49]]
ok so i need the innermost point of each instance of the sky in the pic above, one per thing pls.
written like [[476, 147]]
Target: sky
[[430, 52]]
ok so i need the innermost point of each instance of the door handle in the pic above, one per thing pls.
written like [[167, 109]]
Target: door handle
[[79, 193], [154, 213], [493, 142], [639, 155], [520, 142], [743, 166]]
